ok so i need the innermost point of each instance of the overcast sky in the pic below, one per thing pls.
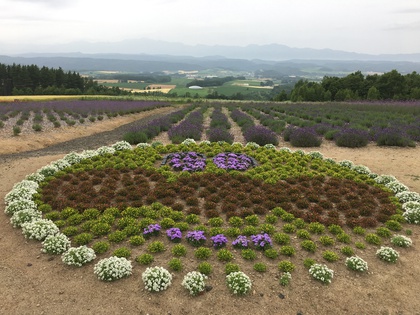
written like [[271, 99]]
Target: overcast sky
[[365, 26]]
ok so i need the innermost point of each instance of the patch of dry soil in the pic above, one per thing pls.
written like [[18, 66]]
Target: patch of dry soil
[[34, 283]]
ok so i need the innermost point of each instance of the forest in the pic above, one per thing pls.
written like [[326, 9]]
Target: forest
[[355, 86]]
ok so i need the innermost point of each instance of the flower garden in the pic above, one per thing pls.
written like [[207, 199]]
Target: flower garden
[[223, 205]]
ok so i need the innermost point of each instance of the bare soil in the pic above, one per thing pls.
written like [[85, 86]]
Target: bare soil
[[35, 283]]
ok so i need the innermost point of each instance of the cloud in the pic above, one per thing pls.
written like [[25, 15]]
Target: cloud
[[413, 26], [50, 3]]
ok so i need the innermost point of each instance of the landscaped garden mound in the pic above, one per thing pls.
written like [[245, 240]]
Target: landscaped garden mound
[[276, 202]]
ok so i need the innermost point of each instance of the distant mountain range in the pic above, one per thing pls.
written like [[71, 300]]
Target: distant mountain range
[[145, 55]]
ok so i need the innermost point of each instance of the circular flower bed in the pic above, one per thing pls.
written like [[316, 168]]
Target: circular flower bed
[[233, 161], [98, 199]]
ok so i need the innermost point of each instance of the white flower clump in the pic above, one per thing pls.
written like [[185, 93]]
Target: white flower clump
[[27, 215], [361, 169], [20, 193], [78, 256], [188, 141], [112, 268], [387, 254], [60, 164], [269, 146], [56, 244], [122, 145], [321, 272], [412, 212], [385, 179], [48, 170], [252, 145], [407, 196], [401, 241], [205, 142], [39, 229], [143, 145], [87, 154], [238, 283], [356, 263], [316, 155], [396, 187], [156, 279], [73, 158], [105, 150], [194, 282], [346, 163], [19, 205], [35, 177]]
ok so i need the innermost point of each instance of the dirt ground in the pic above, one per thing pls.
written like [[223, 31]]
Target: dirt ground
[[35, 283]]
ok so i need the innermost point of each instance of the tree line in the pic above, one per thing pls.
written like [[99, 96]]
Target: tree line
[[355, 86], [19, 79]]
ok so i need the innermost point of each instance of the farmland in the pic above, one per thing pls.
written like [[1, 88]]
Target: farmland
[[228, 123]]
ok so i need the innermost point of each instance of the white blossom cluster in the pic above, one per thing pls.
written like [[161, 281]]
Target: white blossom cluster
[[316, 155], [285, 149], [238, 283], [188, 141], [78, 256], [73, 158], [346, 163], [48, 170], [143, 145], [387, 254], [321, 272], [361, 169], [412, 212], [113, 268], [396, 187], [236, 144], [26, 215], [194, 282], [156, 279], [19, 205], [401, 241], [252, 145], [61, 164], [39, 229], [35, 177], [56, 244], [385, 179], [356, 263], [269, 146], [121, 145], [105, 150], [407, 196]]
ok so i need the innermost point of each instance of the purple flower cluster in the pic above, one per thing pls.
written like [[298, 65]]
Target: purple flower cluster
[[219, 240], [219, 134], [261, 241], [174, 234], [196, 238], [152, 230], [186, 161], [233, 161], [241, 242], [304, 137], [260, 135]]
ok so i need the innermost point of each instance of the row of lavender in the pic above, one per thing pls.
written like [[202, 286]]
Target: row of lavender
[[71, 111], [349, 125]]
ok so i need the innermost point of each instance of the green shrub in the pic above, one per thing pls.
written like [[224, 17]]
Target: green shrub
[[287, 250], [271, 219], [117, 236], [393, 225], [252, 220], [233, 232], [231, 267], [299, 223], [122, 252], [272, 253], [137, 240], [70, 230], [83, 239], [224, 255], [175, 264], [236, 221], [330, 256], [145, 259], [156, 247], [202, 253], [192, 219], [248, 254], [205, 268], [359, 230], [289, 228], [360, 245], [167, 223], [100, 247], [303, 234], [249, 230], [326, 240], [316, 228], [308, 262], [383, 232], [308, 246], [335, 229], [281, 238], [344, 238], [215, 222], [260, 267], [373, 239], [287, 217], [100, 229], [286, 266], [347, 251], [179, 250]]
